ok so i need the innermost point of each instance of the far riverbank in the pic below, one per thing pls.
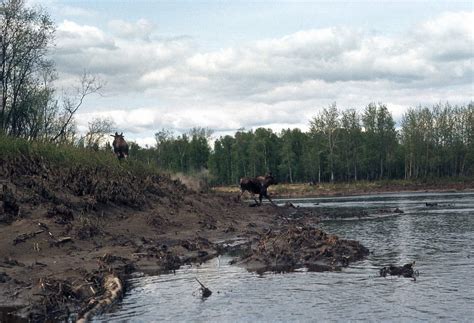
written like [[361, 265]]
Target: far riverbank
[[359, 188]]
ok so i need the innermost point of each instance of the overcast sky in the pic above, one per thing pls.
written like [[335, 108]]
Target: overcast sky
[[238, 64]]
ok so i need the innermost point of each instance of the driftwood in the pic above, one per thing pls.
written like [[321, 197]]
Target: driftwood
[[61, 240], [44, 228], [113, 290], [206, 292], [25, 236], [405, 271]]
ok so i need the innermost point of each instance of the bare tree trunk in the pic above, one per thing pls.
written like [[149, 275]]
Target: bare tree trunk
[[319, 170], [290, 173], [381, 168]]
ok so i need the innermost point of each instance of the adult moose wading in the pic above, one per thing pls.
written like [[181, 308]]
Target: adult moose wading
[[257, 185], [120, 146]]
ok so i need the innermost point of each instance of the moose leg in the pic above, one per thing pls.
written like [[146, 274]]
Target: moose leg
[[256, 202], [268, 197], [264, 193], [240, 195]]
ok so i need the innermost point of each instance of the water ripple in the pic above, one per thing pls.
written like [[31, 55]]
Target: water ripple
[[440, 240]]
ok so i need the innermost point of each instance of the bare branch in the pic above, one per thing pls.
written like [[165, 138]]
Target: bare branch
[[88, 84]]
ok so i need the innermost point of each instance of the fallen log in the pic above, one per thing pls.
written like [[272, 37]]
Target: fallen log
[[25, 236]]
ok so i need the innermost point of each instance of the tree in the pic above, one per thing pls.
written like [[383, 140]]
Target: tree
[[351, 141], [25, 37], [292, 143], [327, 123], [98, 130], [88, 84], [437, 140], [221, 161], [387, 139], [199, 150], [410, 138], [313, 156], [267, 145], [241, 153], [380, 140]]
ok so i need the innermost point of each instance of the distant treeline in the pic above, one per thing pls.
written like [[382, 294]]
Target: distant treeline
[[341, 145]]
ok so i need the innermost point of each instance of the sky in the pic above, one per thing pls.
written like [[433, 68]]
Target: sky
[[228, 65]]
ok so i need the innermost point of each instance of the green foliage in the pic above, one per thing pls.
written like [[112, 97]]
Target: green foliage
[[71, 156], [186, 153], [438, 141], [380, 141], [433, 142], [26, 72]]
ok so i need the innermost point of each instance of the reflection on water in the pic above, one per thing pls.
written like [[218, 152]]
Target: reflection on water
[[440, 239]]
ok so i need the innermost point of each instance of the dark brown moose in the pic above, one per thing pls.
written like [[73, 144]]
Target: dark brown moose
[[120, 146], [257, 185]]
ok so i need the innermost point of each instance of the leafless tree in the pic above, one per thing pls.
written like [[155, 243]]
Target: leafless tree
[[88, 84], [99, 129]]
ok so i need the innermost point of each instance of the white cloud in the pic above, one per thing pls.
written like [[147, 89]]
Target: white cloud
[[72, 37], [281, 81], [142, 28], [448, 37]]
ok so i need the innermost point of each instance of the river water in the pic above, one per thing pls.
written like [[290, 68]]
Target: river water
[[439, 238]]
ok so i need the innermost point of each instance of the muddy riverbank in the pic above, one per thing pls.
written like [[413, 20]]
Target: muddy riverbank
[[67, 234]]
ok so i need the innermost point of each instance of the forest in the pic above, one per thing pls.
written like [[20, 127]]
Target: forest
[[341, 145]]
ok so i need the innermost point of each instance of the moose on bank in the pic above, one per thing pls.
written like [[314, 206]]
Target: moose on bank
[[257, 185], [120, 146]]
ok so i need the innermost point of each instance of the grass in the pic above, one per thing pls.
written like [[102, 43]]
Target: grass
[[71, 156]]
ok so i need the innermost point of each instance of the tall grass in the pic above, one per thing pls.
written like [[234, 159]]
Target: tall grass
[[60, 155]]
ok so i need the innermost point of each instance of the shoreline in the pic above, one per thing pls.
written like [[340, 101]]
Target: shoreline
[[353, 189]]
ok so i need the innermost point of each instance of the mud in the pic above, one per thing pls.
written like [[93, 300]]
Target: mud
[[295, 247], [64, 231]]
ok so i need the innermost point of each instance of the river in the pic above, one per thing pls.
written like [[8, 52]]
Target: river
[[439, 238]]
